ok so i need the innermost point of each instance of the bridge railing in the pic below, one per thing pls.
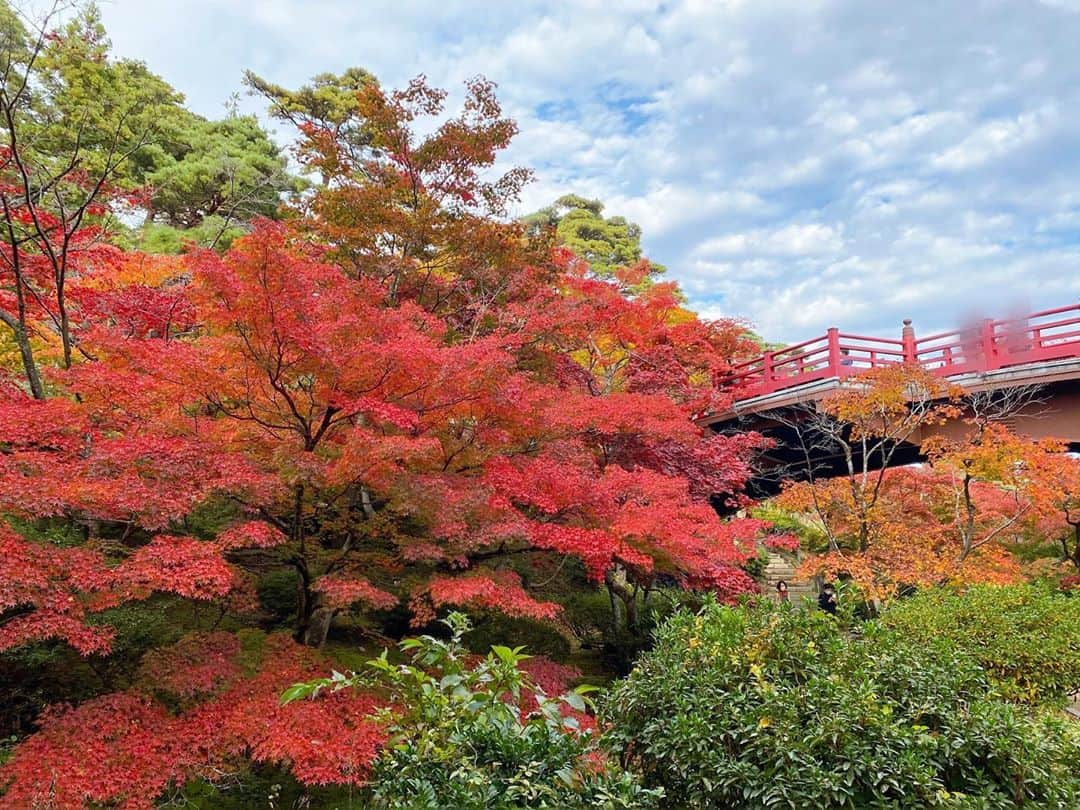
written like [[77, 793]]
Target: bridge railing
[[834, 354], [988, 345], [1052, 334]]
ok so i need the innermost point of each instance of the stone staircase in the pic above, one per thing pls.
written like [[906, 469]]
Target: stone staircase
[[779, 568]]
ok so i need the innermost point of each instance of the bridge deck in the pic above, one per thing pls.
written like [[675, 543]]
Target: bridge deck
[[992, 353], [1039, 373]]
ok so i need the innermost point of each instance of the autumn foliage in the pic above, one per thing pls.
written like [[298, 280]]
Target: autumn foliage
[[396, 394], [227, 473], [125, 749], [952, 519]]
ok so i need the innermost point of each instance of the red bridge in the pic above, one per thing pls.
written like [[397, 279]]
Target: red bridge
[[1032, 341], [1041, 349]]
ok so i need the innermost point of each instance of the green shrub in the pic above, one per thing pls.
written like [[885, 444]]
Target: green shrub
[[161, 238], [1036, 548], [588, 612], [461, 737], [261, 786], [1026, 637], [756, 565], [277, 594], [540, 638], [767, 706]]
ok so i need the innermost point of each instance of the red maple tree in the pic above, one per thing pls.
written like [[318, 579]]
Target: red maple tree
[[397, 396]]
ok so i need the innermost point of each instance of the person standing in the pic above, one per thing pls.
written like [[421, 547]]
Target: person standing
[[782, 591]]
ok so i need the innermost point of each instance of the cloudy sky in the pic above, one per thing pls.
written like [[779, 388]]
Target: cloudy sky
[[802, 164]]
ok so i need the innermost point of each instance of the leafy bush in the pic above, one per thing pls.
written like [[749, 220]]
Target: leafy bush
[[1026, 637], [755, 566], [468, 733], [277, 594], [588, 612], [1036, 548], [539, 637], [766, 706], [161, 238]]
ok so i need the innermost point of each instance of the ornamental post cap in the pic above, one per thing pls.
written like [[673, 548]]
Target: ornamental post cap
[[907, 321]]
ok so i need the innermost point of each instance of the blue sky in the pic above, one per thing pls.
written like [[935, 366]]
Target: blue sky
[[801, 164]]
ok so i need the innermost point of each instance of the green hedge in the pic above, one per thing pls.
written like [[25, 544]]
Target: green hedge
[[767, 706], [1026, 637]]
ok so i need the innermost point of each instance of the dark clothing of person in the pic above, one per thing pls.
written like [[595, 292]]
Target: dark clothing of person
[[827, 601]]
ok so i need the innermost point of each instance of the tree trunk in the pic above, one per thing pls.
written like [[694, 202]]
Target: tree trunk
[[318, 625], [65, 328], [26, 353], [1076, 544], [618, 586], [864, 535], [308, 604], [616, 614], [313, 615], [967, 534]]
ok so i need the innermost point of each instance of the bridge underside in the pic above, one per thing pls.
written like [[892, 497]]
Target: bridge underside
[[1054, 413], [786, 461]]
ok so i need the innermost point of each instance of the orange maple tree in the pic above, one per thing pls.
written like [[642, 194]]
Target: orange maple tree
[[950, 519], [1054, 489], [915, 535]]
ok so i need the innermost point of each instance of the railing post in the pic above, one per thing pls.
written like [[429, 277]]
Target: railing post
[[833, 338], [989, 347], [767, 370], [907, 337]]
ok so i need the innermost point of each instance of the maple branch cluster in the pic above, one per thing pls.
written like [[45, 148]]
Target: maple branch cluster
[[956, 518], [394, 392]]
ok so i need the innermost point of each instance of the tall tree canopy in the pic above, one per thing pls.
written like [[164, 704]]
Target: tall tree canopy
[[421, 397], [607, 244], [228, 168], [90, 143], [331, 102], [397, 394]]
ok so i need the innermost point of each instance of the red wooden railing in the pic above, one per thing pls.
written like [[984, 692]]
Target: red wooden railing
[[1053, 334]]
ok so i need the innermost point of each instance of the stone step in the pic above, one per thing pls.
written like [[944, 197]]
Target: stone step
[[781, 568], [792, 587]]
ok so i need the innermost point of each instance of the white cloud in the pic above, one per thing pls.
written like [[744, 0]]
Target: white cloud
[[791, 240], [664, 208], [803, 163], [995, 139]]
